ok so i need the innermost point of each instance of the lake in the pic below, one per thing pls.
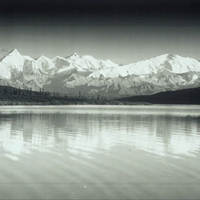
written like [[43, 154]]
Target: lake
[[100, 152]]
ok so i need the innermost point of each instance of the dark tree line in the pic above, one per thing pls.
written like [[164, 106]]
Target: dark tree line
[[11, 91], [10, 95], [184, 96]]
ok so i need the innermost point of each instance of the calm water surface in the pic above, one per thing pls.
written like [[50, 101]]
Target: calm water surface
[[100, 152]]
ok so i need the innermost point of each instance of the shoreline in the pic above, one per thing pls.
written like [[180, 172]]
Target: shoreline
[[81, 103], [62, 103]]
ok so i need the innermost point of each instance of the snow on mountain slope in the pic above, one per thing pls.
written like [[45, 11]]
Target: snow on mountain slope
[[162, 73], [60, 62], [89, 77], [13, 60], [23, 71], [88, 63], [44, 63], [167, 62]]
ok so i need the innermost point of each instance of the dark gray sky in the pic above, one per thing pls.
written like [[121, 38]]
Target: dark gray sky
[[119, 30]]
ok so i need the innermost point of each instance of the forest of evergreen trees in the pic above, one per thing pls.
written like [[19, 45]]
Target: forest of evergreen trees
[[11, 95], [15, 96]]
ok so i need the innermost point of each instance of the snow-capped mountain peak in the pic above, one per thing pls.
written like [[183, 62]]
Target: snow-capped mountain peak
[[13, 60], [166, 62], [58, 58], [179, 64], [44, 63], [14, 52], [73, 56], [92, 77], [42, 58]]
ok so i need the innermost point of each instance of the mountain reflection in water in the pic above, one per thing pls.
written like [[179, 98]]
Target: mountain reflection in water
[[85, 147]]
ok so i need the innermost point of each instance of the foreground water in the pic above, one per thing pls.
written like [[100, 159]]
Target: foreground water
[[100, 152]]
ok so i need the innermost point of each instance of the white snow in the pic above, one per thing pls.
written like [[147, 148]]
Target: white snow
[[89, 71], [171, 63], [14, 60]]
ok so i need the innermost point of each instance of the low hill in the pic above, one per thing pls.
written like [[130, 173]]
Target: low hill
[[186, 96]]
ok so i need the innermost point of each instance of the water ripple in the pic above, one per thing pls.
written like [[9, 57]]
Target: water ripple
[[92, 152]]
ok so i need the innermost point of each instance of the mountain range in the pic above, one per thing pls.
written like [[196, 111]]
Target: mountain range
[[88, 77]]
